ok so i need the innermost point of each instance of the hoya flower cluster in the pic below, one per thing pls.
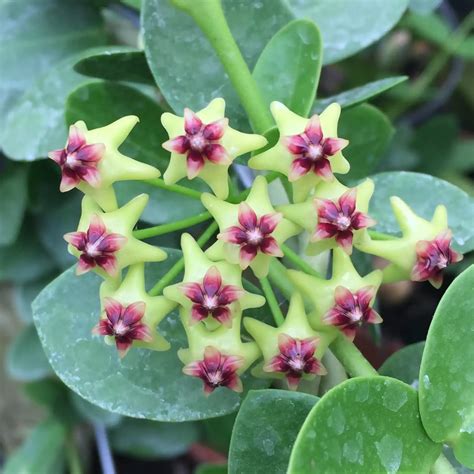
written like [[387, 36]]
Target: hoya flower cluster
[[211, 297]]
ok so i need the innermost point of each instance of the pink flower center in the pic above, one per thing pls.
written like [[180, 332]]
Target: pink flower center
[[197, 142], [120, 328], [254, 236], [315, 152], [210, 302], [343, 222]]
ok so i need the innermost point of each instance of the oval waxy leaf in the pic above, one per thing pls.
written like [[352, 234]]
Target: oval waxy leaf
[[101, 103], [289, 67], [447, 370], [187, 71], [404, 364], [265, 430], [117, 64], [359, 94], [347, 26], [369, 132], [414, 188], [366, 424], [145, 384]]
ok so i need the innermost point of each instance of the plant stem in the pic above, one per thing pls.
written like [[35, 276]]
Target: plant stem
[[272, 301], [175, 188], [380, 235], [442, 466], [294, 258], [209, 16], [351, 358], [177, 268], [172, 226], [72, 455]]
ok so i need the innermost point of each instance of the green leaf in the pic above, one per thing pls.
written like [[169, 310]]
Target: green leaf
[[424, 6], [462, 158], [414, 189], [145, 384], [26, 361], [148, 439], [117, 64], [369, 132], [366, 424], [184, 65], [25, 260], [447, 370], [349, 26], [359, 94], [42, 451], [289, 67], [218, 431], [92, 413], [36, 36], [434, 29], [265, 430], [35, 125], [14, 196], [404, 364], [101, 103], [211, 469]]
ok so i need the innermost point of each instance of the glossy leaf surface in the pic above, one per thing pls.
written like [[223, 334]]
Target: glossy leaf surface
[[404, 364]]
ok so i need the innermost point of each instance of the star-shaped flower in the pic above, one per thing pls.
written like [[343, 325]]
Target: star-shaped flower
[[423, 251], [216, 370], [104, 241], [251, 231], [131, 316], [91, 161], [293, 350], [202, 144], [322, 292], [308, 150], [352, 309], [336, 216], [221, 352], [210, 291]]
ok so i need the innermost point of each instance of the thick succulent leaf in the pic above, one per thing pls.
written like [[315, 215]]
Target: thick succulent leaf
[[146, 439], [145, 384], [14, 196], [369, 132], [359, 94], [101, 103], [35, 124], [404, 364], [211, 469], [447, 370], [347, 26], [117, 64], [92, 413], [42, 451], [187, 70], [37, 35], [414, 188], [26, 361], [265, 430], [366, 424], [289, 67]]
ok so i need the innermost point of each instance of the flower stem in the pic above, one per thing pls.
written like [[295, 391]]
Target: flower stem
[[351, 358], [72, 455], [294, 258], [209, 16], [175, 188], [272, 301], [178, 267], [172, 226]]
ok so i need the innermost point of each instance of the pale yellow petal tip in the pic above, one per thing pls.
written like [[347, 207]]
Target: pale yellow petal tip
[[277, 107], [208, 199], [218, 102], [80, 124]]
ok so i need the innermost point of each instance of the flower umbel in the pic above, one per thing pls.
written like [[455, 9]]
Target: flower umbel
[[97, 247], [123, 323], [216, 370], [78, 160], [199, 143], [253, 234], [432, 257], [340, 219], [295, 359], [312, 151], [352, 309], [211, 298]]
